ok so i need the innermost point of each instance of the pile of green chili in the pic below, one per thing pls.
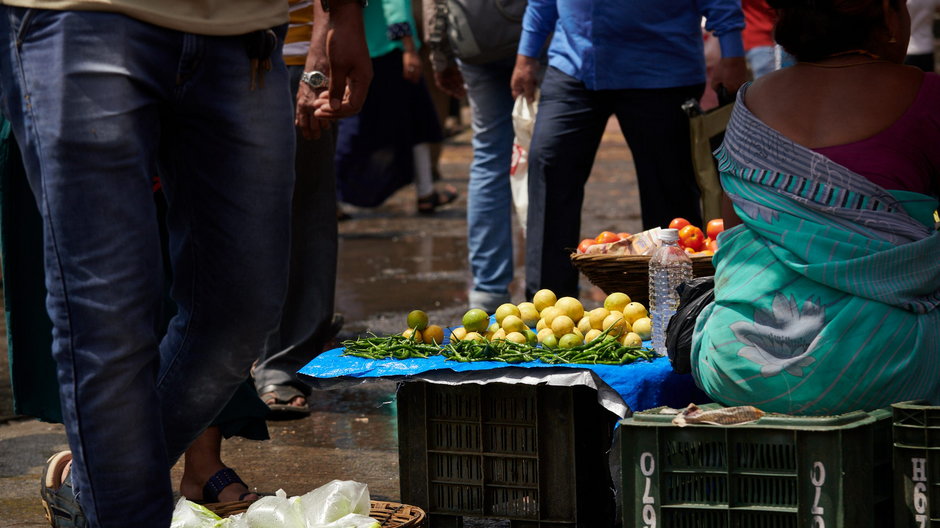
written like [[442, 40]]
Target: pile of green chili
[[602, 351]]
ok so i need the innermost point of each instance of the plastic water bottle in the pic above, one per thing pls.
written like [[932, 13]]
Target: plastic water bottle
[[670, 266]]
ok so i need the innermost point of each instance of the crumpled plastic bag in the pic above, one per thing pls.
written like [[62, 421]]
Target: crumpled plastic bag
[[334, 500], [188, 514], [337, 504], [694, 296]]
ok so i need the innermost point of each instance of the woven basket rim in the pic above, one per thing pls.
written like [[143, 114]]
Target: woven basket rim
[[626, 258], [388, 514]]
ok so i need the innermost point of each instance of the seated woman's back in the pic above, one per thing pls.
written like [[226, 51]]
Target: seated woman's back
[[820, 106]]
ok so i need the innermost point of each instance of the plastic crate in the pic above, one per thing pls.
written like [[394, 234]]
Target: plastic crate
[[778, 472], [533, 454], [916, 465]]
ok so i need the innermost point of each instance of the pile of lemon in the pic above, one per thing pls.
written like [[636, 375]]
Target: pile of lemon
[[420, 329], [559, 323]]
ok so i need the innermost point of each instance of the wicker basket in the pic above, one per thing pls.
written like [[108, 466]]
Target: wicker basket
[[629, 273], [387, 514]]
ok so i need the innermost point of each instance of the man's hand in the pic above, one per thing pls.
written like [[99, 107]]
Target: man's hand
[[525, 77], [730, 73], [450, 81], [350, 65]]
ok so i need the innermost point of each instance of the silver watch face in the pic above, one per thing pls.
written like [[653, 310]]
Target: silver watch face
[[314, 79]]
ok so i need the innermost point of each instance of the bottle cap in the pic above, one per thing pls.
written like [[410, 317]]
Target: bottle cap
[[669, 235]]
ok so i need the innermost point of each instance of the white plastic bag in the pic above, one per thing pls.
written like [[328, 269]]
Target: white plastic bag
[[335, 500], [188, 514], [278, 511], [523, 122]]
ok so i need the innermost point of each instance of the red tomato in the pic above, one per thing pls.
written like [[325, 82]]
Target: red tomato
[[623, 235], [714, 227], [691, 237], [587, 242], [606, 237], [678, 223], [711, 244]]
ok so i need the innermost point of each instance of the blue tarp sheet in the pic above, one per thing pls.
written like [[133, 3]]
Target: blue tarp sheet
[[642, 385]]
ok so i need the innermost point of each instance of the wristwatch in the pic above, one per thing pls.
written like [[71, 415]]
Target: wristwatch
[[326, 4], [315, 79]]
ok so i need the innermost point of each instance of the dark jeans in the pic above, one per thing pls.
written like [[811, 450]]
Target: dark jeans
[[308, 309], [571, 120], [130, 99]]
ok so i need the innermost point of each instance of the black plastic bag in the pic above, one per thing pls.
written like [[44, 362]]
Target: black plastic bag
[[694, 296]]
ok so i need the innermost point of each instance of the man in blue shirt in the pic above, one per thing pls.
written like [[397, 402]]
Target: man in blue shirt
[[639, 60]]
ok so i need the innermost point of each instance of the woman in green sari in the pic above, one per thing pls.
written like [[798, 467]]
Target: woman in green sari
[[827, 292]]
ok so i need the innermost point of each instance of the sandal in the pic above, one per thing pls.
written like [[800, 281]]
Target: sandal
[[428, 204], [278, 398], [58, 497], [218, 482]]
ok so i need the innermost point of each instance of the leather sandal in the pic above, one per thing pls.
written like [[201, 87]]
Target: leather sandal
[[428, 204], [58, 497], [278, 398]]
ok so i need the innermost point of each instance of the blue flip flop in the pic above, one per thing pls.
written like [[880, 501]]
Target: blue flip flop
[[218, 482]]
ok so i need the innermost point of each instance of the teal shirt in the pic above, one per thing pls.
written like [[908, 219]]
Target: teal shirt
[[381, 16]]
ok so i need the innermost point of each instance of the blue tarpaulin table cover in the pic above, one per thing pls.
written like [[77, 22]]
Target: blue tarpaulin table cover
[[640, 385]]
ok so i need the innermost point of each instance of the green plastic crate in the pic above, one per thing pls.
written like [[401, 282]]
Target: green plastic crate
[[778, 472], [916, 465]]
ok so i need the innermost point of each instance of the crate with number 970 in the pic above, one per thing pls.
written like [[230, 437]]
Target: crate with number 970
[[777, 472]]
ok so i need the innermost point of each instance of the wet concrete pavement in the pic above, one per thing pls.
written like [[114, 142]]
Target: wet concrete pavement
[[391, 261]]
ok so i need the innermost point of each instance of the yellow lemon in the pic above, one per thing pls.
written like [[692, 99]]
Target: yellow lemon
[[543, 299], [433, 335], [584, 325], [616, 301], [516, 337], [578, 333], [570, 307], [498, 335], [591, 335], [412, 334], [476, 320], [513, 323], [528, 313], [633, 311], [492, 328], [458, 334], [616, 323], [597, 317], [643, 327], [562, 325], [549, 314], [473, 336], [631, 339], [504, 310], [540, 325], [543, 333]]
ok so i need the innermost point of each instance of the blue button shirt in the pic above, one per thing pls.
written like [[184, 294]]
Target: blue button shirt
[[617, 44]]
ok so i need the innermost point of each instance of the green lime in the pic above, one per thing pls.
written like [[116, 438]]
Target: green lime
[[417, 319], [569, 341], [550, 341], [531, 337], [476, 320]]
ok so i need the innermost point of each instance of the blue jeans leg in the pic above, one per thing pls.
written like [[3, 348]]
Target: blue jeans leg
[[128, 98], [489, 200]]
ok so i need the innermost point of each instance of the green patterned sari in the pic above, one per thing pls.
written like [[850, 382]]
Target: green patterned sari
[[826, 298]]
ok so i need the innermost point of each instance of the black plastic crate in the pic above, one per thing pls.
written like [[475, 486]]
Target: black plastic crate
[[778, 472], [916, 465], [533, 454]]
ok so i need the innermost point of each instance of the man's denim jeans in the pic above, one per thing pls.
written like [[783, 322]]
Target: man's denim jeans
[[489, 198], [100, 104]]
